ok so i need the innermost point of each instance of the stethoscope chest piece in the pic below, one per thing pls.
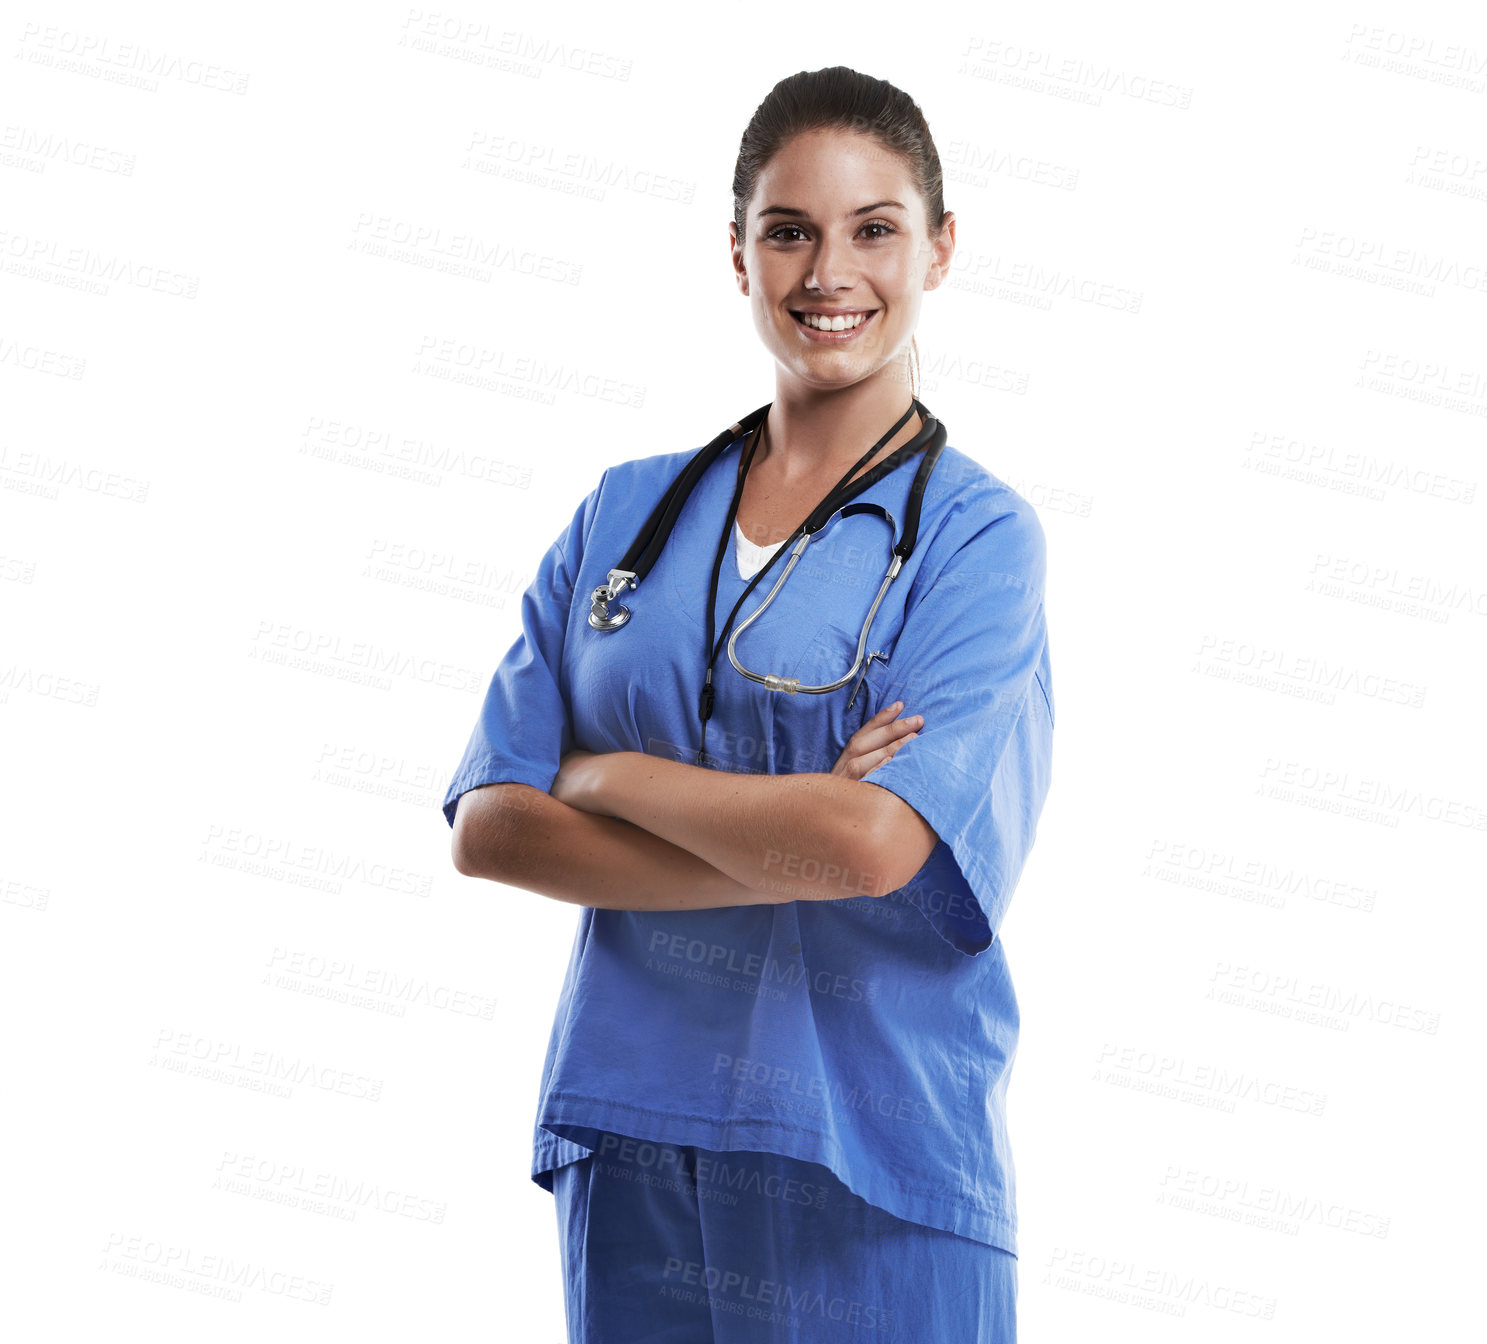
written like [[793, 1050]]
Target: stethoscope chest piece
[[601, 617]]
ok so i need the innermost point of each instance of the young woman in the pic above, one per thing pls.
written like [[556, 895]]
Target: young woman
[[773, 1105]]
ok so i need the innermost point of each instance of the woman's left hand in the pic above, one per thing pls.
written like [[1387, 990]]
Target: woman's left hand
[[578, 780]]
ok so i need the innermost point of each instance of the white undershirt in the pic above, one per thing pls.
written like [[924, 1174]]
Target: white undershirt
[[749, 558]]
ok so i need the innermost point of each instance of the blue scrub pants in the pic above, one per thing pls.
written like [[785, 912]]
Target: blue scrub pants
[[673, 1244]]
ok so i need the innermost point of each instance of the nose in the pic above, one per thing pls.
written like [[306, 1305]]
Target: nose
[[830, 266]]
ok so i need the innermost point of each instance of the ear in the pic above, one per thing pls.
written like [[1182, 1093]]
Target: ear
[[943, 249], [740, 274]]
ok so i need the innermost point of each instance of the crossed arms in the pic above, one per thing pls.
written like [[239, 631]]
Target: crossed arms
[[627, 831]]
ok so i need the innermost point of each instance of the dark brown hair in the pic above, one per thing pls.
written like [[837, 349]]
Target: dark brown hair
[[840, 98]]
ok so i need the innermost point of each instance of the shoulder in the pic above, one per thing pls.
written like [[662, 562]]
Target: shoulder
[[636, 479], [974, 521], [625, 492]]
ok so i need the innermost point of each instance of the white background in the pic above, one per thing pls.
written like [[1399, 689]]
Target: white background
[[1217, 311]]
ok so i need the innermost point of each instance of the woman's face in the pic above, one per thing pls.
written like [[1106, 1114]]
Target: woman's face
[[836, 225]]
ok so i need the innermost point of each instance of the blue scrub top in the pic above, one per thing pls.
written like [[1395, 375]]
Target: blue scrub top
[[871, 1035]]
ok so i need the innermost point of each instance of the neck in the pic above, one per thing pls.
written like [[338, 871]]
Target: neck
[[811, 433]]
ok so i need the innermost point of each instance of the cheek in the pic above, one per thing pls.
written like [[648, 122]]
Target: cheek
[[769, 282], [901, 283], [767, 317]]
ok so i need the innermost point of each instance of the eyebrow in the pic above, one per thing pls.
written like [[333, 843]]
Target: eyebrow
[[802, 214]]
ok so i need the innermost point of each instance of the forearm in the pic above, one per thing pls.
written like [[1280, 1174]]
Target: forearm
[[794, 837], [527, 839]]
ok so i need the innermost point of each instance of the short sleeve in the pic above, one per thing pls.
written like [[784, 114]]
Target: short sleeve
[[972, 657], [525, 725]]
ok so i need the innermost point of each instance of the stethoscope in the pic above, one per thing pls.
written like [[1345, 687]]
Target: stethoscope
[[646, 549]]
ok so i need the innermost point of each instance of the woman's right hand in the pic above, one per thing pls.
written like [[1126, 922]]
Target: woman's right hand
[[876, 741]]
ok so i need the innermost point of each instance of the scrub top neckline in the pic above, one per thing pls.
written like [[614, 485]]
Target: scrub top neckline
[[749, 557], [733, 574]]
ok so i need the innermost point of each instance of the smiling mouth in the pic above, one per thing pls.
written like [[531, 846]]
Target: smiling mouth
[[834, 324]]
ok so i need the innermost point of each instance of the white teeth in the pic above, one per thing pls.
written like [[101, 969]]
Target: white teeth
[[823, 323]]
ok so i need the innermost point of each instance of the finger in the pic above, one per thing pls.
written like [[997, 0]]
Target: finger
[[869, 737], [885, 716], [873, 759]]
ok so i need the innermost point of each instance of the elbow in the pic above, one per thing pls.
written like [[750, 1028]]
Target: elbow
[[867, 859], [891, 845], [887, 872], [459, 851], [463, 849], [485, 823]]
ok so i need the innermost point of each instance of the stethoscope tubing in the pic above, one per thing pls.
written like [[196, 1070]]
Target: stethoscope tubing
[[646, 549], [793, 685]]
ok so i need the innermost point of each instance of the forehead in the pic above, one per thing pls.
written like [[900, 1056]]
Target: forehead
[[830, 173]]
